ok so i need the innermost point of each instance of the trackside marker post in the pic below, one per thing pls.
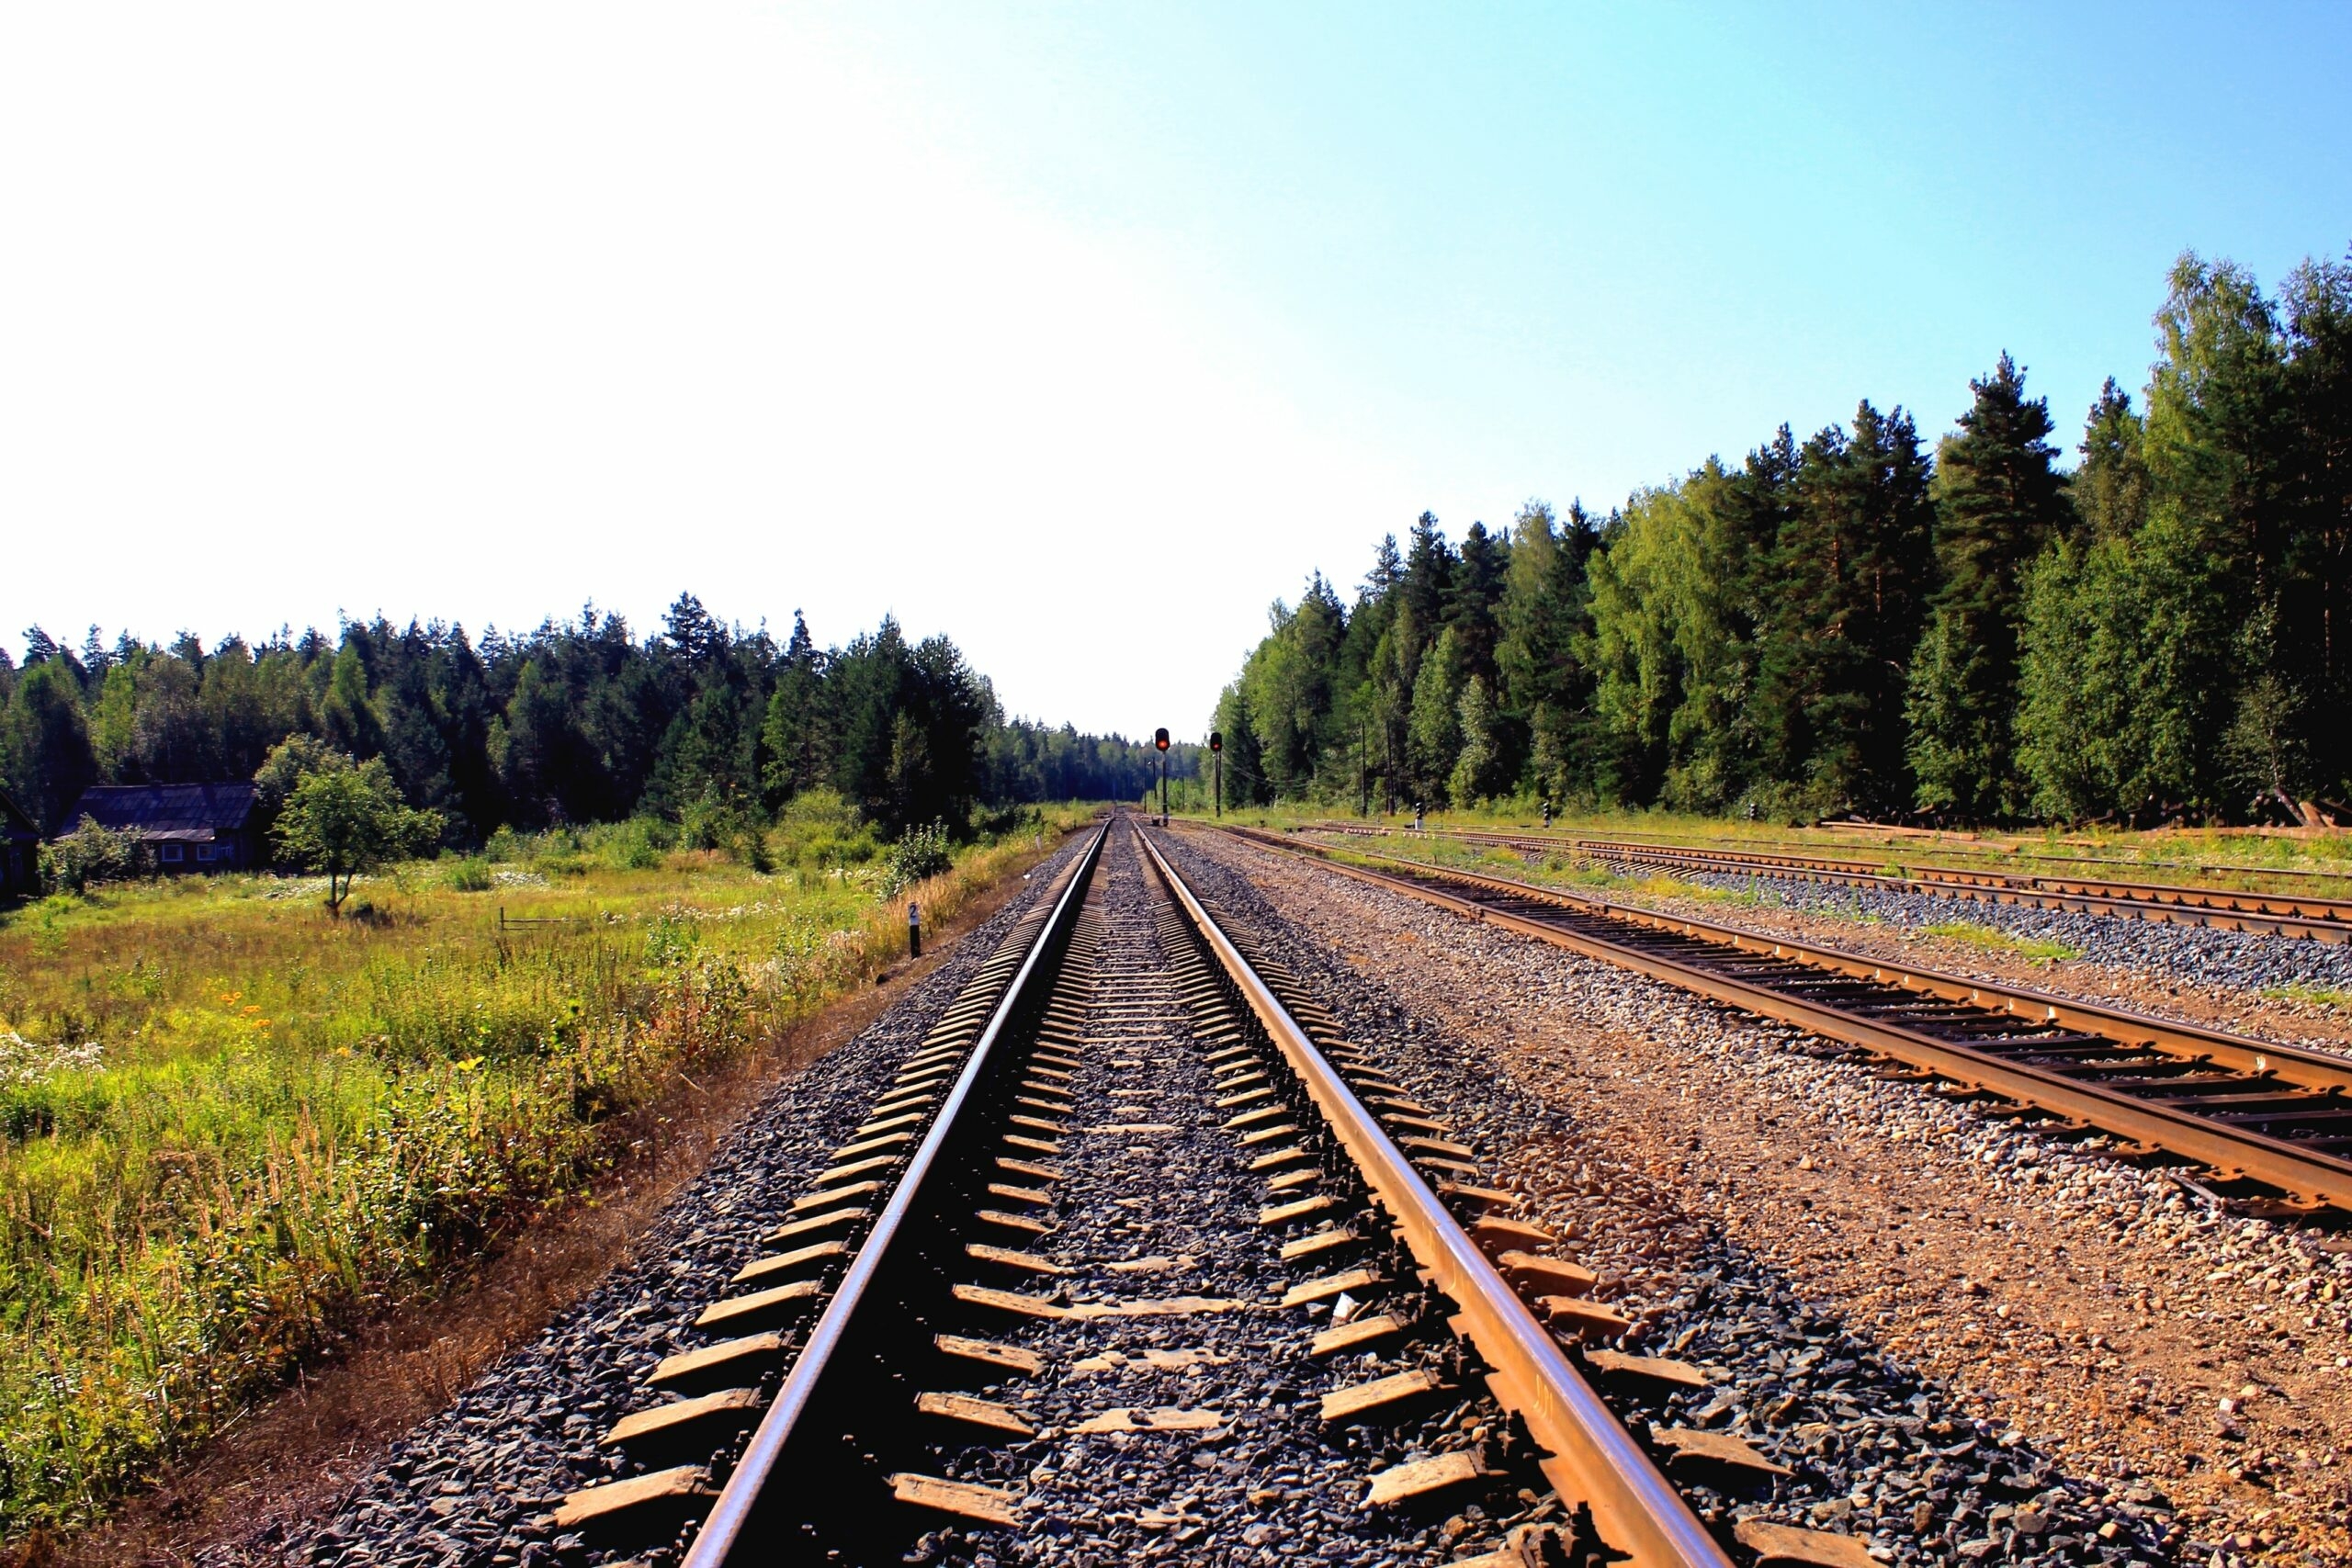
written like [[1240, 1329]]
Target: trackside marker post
[[914, 930]]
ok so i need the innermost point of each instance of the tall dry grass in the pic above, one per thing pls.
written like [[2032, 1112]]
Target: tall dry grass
[[231, 1127]]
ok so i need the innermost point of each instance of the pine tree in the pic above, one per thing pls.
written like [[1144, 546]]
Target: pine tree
[[1474, 601], [2110, 487], [1999, 501], [45, 758], [1422, 594], [2315, 589], [532, 744], [1842, 612], [415, 749], [348, 718], [793, 739]]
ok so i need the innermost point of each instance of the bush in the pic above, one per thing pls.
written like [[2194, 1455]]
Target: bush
[[470, 874], [921, 855], [725, 823], [1786, 805], [637, 844], [91, 854]]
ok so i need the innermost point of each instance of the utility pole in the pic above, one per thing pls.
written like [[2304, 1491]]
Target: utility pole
[[1363, 779]]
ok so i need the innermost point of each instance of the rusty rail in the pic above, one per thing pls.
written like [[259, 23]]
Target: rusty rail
[[2311, 1085], [1593, 1458]]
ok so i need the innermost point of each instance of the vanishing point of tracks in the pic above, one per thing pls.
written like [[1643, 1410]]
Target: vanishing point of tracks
[[1133, 1176], [2274, 1120]]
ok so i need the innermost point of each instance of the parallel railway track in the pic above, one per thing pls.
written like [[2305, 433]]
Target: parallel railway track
[[2276, 1118], [919, 1320], [2267, 914]]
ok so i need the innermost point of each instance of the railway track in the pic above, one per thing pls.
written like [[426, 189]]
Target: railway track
[[1135, 1220], [2267, 914], [2273, 1123]]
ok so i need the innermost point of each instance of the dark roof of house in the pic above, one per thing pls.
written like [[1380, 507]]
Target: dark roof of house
[[13, 823], [178, 811]]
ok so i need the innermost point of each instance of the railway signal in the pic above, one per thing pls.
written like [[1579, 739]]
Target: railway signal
[[1159, 739], [1217, 761]]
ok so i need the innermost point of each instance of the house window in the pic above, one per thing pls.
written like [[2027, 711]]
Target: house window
[[204, 851], [172, 854]]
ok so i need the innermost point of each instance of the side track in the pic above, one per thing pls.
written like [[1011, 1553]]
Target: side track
[[2267, 914], [2263, 1115]]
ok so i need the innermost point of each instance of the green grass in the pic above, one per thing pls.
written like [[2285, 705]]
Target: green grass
[[230, 1128], [1993, 941], [2310, 996], [2226, 858]]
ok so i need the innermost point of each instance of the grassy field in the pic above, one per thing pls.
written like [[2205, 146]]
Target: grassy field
[[230, 1126], [2315, 864]]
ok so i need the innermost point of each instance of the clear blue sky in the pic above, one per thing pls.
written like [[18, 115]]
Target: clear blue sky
[[1079, 333]]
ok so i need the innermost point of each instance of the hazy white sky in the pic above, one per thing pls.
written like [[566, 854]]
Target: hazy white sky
[[1079, 333]]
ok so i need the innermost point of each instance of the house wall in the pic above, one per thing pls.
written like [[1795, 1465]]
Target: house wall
[[229, 852]]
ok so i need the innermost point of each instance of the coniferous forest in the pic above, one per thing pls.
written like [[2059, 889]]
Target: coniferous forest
[[708, 726], [1851, 623]]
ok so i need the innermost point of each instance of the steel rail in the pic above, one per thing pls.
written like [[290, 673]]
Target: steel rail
[[2328, 919], [2310, 1178], [722, 1529], [2263, 914], [1592, 1458]]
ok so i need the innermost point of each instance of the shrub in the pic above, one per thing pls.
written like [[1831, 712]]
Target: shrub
[[91, 854], [470, 874], [637, 844], [725, 823], [920, 854], [670, 940]]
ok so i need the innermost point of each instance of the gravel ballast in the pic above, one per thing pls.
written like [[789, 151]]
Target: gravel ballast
[[2274, 987], [1159, 1202], [1967, 1340]]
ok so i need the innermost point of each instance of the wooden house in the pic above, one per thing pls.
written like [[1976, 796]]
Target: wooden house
[[208, 827]]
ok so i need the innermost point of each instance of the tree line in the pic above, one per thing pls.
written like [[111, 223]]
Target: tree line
[[708, 724], [1849, 623]]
